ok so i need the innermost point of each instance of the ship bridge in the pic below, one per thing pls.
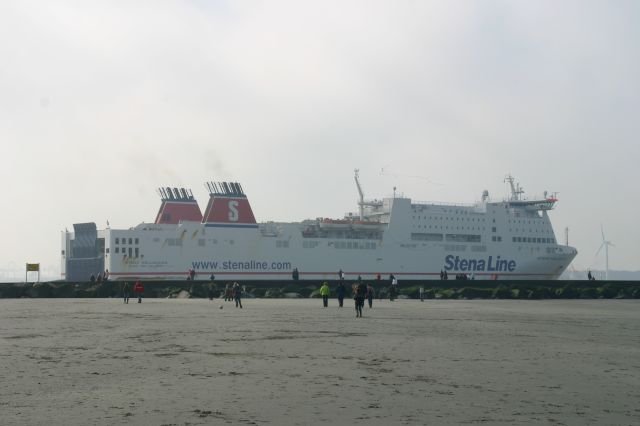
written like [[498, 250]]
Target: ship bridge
[[516, 198]]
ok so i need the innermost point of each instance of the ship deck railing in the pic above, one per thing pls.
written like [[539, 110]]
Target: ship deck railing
[[443, 204]]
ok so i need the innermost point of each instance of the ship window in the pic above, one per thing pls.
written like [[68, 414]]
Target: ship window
[[130, 251], [130, 241], [493, 229], [117, 240], [137, 241], [117, 250], [174, 242], [426, 237], [137, 252], [463, 238], [107, 251]]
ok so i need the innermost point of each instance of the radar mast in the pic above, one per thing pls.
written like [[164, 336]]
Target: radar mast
[[361, 202], [516, 189]]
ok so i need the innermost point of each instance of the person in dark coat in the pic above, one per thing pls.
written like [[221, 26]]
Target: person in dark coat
[[125, 292], [359, 296], [340, 291], [227, 292], [370, 295], [237, 294]]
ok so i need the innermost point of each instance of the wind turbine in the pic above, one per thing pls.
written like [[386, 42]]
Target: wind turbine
[[606, 244]]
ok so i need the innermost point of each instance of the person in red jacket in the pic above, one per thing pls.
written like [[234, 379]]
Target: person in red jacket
[[138, 289]]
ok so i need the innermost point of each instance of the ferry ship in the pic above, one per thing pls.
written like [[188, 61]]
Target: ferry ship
[[508, 239]]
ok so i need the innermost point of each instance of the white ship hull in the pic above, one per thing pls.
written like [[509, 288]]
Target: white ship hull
[[253, 257]]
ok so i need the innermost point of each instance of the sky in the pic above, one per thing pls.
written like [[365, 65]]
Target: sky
[[102, 102]]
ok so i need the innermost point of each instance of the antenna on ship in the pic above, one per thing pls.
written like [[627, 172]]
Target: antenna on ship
[[361, 202], [516, 189], [606, 244], [566, 236]]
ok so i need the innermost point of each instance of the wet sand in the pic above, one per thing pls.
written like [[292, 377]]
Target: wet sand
[[291, 362]]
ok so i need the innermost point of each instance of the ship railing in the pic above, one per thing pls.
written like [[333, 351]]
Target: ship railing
[[443, 204]]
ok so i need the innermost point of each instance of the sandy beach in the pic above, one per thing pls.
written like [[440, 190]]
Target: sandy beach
[[292, 362]]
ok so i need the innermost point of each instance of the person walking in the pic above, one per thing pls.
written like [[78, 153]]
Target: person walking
[[324, 292], [237, 294], [370, 294], [138, 289], [125, 292], [393, 289], [359, 296], [340, 291], [227, 292]]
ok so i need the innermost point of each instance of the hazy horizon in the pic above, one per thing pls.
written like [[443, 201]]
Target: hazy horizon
[[104, 102]]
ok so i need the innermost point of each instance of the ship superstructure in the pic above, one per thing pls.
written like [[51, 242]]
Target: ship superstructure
[[512, 238]]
